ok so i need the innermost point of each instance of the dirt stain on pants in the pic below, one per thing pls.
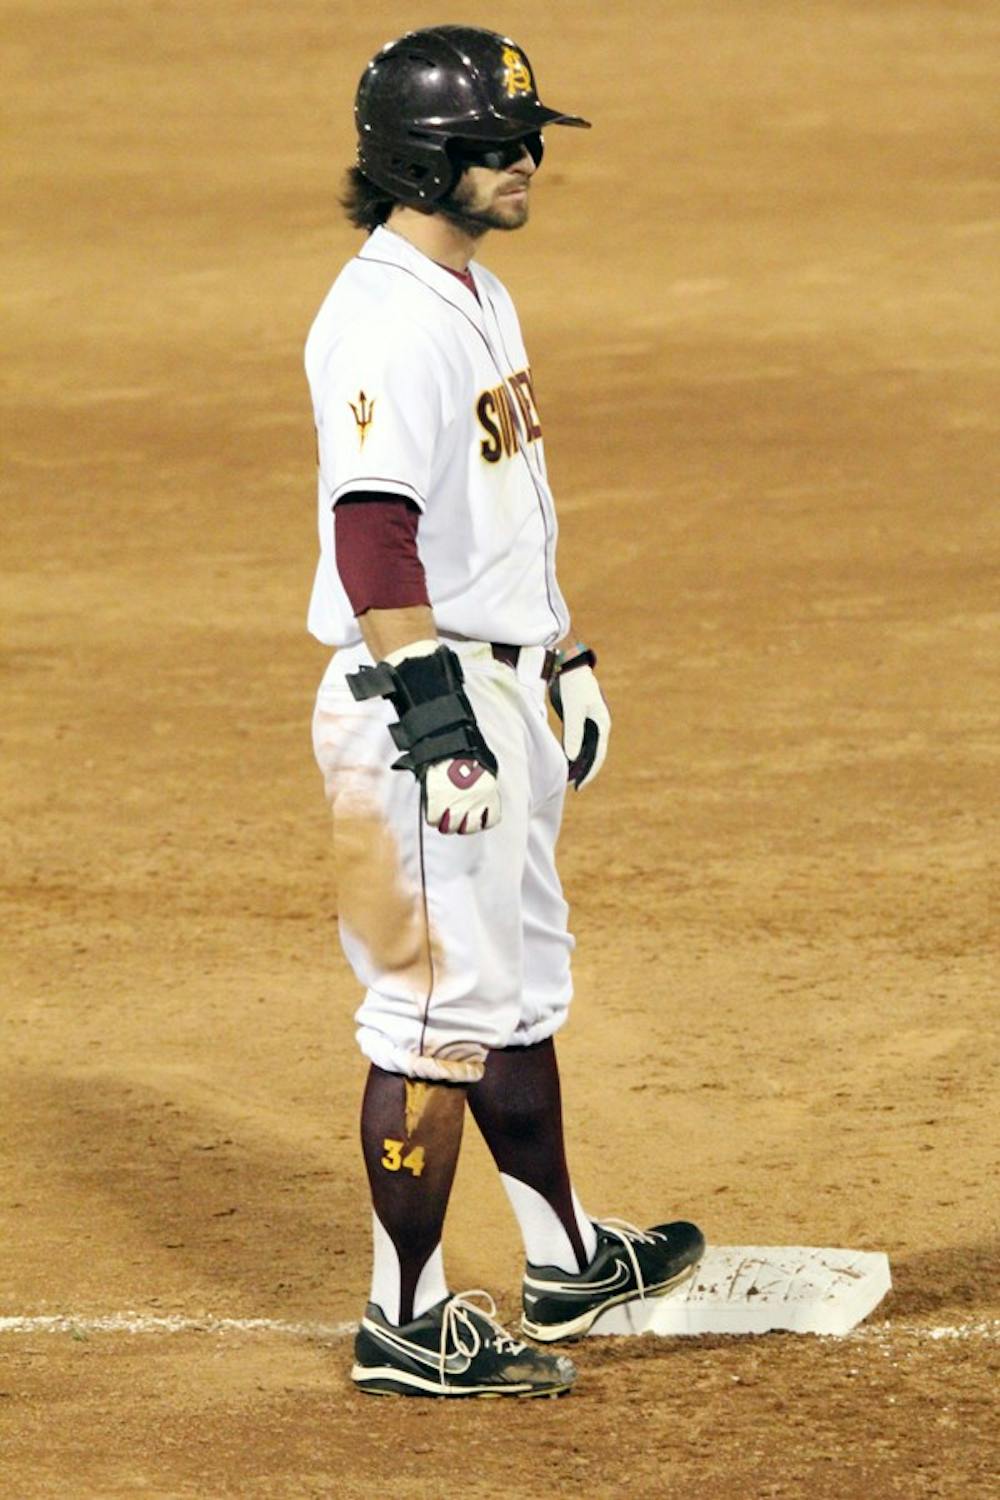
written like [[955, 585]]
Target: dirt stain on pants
[[379, 905]]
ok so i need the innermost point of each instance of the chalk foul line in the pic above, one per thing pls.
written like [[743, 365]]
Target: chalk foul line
[[131, 1322], [83, 1326]]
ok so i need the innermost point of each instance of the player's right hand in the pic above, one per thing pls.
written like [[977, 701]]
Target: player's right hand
[[461, 796], [437, 731]]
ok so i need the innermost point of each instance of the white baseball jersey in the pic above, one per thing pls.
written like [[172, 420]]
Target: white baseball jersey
[[422, 391]]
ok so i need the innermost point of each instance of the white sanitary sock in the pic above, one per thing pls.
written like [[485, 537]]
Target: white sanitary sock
[[431, 1285], [546, 1242]]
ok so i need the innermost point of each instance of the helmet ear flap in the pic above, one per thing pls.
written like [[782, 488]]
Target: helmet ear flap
[[453, 151], [411, 169]]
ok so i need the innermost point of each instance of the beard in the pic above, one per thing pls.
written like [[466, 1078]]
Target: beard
[[456, 207]]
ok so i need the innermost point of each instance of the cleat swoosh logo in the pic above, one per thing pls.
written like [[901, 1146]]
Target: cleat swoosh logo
[[618, 1279], [454, 1364]]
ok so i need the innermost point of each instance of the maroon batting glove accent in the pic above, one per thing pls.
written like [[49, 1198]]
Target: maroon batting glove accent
[[518, 1108], [577, 769], [464, 773]]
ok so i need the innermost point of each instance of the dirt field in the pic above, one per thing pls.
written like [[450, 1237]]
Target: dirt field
[[761, 299]]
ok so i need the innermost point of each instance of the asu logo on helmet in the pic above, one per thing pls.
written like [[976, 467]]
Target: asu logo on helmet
[[517, 74]]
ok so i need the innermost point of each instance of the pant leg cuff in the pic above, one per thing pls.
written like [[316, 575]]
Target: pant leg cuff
[[392, 1058]]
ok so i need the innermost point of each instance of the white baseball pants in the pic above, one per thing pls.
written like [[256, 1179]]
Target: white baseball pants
[[460, 941]]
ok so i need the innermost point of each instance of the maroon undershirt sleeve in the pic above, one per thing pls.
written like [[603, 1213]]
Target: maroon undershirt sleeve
[[375, 537]]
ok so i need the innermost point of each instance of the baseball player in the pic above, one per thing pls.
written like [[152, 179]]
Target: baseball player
[[437, 586]]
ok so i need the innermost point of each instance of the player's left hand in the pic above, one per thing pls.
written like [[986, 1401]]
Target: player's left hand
[[579, 702]]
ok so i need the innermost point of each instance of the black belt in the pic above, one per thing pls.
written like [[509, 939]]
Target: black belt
[[510, 655]]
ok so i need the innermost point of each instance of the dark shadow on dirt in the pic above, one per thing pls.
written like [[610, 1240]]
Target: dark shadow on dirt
[[961, 1277], [188, 1171]]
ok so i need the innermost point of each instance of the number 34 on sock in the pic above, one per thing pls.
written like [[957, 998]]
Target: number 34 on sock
[[395, 1161]]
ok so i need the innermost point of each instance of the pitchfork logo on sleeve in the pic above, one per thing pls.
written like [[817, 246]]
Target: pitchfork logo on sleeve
[[363, 413]]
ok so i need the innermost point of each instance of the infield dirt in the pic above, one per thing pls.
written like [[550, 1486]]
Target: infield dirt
[[761, 299]]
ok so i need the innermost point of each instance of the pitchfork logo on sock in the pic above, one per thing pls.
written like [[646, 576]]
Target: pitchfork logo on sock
[[464, 773]]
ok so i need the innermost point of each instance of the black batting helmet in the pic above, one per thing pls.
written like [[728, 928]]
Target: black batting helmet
[[434, 87]]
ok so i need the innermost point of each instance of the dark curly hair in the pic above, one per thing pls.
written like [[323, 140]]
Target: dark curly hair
[[366, 205]]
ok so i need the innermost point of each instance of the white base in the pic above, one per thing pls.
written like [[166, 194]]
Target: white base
[[758, 1288]]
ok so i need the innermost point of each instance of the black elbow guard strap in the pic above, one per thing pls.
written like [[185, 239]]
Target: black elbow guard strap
[[436, 721]]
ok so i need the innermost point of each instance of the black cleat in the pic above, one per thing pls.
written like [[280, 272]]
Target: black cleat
[[629, 1265], [454, 1349]]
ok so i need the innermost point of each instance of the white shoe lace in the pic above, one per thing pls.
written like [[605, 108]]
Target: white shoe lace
[[629, 1234], [461, 1324]]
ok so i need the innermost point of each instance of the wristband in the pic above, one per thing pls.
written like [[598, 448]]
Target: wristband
[[583, 657]]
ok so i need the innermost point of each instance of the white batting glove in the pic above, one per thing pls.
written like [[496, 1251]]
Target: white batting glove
[[461, 797], [579, 702]]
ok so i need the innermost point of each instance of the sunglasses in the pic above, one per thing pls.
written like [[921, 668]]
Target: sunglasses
[[496, 155]]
